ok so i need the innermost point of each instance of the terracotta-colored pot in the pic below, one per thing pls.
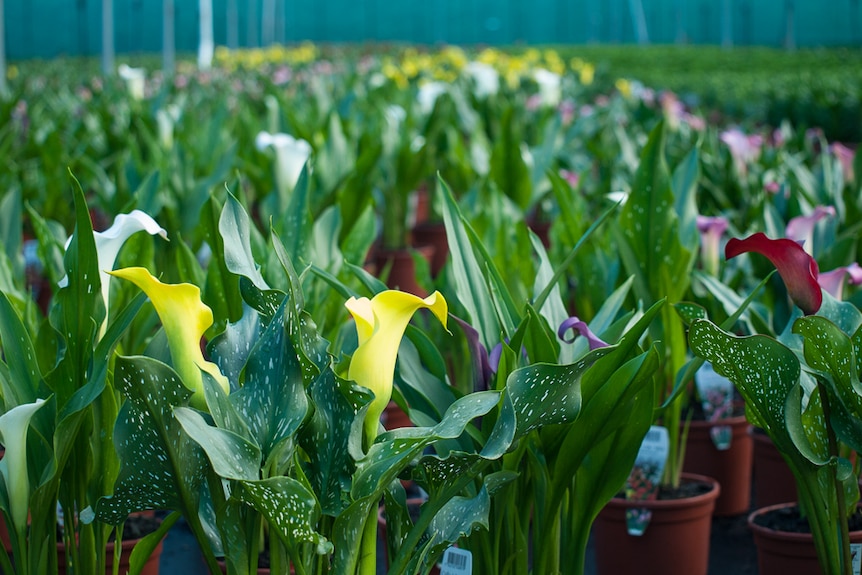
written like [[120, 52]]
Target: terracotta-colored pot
[[730, 467], [433, 234], [773, 481], [151, 567], [402, 268], [675, 543], [784, 552]]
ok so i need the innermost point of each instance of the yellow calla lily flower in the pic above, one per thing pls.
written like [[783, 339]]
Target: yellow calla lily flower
[[185, 319], [380, 325]]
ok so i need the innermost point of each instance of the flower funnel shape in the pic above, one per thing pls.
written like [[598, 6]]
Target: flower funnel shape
[[795, 266], [185, 319], [13, 432], [380, 325]]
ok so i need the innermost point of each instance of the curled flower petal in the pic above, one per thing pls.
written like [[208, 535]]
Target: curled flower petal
[[582, 329], [110, 242], [13, 433], [185, 318], [833, 281], [481, 365], [291, 154], [711, 229], [380, 325], [797, 268]]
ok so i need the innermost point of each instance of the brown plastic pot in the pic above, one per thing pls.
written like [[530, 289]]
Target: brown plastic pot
[[772, 478], [730, 467], [785, 552], [675, 543]]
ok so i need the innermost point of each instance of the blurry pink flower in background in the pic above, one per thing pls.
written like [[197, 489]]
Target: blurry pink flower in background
[[573, 178], [801, 228], [711, 229], [673, 109], [833, 281], [586, 110], [772, 187], [845, 156], [744, 148], [533, 102], [282, 75], [567, 111]]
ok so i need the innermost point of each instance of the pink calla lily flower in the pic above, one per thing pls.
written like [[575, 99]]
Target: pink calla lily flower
[[833, 281], [796, 266], [845, 155], [801, 228], [711, 230]]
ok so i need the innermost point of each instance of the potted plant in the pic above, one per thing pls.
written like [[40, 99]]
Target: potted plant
[[58, 385], [801, 388]]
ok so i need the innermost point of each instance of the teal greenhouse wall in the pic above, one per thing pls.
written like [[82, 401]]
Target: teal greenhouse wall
[[49, 28]]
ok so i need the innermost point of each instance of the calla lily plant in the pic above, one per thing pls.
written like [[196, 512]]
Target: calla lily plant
[[802, 388]]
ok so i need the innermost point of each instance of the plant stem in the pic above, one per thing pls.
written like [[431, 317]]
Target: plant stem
[[843, 529], [368, 548]]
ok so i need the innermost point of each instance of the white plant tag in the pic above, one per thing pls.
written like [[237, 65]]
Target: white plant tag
[[456, 561], [643, 482], [716, 397], [856, 558]]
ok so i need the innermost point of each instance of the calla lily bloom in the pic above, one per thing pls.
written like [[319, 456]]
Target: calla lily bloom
[[427, 95], [485, 78], [796, 266], [711, 229], [845, 155], [185, 319], [13, 432], [290, 157], [744, 148], [833, 281], [380, 324], [582, 329], [801, 228], [109, 243], [550, 88], [135, 78]]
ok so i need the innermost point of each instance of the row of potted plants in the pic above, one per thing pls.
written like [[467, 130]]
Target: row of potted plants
[[263, 389]]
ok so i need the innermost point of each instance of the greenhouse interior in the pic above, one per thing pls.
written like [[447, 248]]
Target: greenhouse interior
[[448, 287]]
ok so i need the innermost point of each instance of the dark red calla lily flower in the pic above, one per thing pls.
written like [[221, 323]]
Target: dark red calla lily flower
[[796, 267]]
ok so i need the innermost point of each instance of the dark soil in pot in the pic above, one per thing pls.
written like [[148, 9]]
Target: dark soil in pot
[[788, 519]]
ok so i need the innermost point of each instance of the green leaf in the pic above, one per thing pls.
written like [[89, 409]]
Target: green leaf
[[326, 438], [394, 450], [144, 548], [153, 449], [24, 374], [235, 229], [470, 286], [296, 222], [272, 401], [288, 507], [650, 226], [830, 352], [231, 456]]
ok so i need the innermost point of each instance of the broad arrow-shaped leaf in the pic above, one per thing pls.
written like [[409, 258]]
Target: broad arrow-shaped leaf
[[162, 468]]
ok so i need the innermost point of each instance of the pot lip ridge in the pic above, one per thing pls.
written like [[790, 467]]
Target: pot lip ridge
[[712, 494], [770, 533]]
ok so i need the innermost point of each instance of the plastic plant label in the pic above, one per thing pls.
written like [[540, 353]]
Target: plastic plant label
[[456, 561], [716, 397], [643, 482], [856, 558]]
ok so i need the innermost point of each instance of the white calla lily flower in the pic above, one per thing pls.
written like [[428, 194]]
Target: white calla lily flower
[[291, 154], [109, 243], [485, 78], [13, 432], [135, 78]]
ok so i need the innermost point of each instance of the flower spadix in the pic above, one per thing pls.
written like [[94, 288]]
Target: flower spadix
[[185, 318], [380, 325], [13, 432]]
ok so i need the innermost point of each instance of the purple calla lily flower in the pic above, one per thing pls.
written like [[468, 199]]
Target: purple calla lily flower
[[833, 281], [711, 229], [743, 148], [482, 370], [795, 266], [582, 329]]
